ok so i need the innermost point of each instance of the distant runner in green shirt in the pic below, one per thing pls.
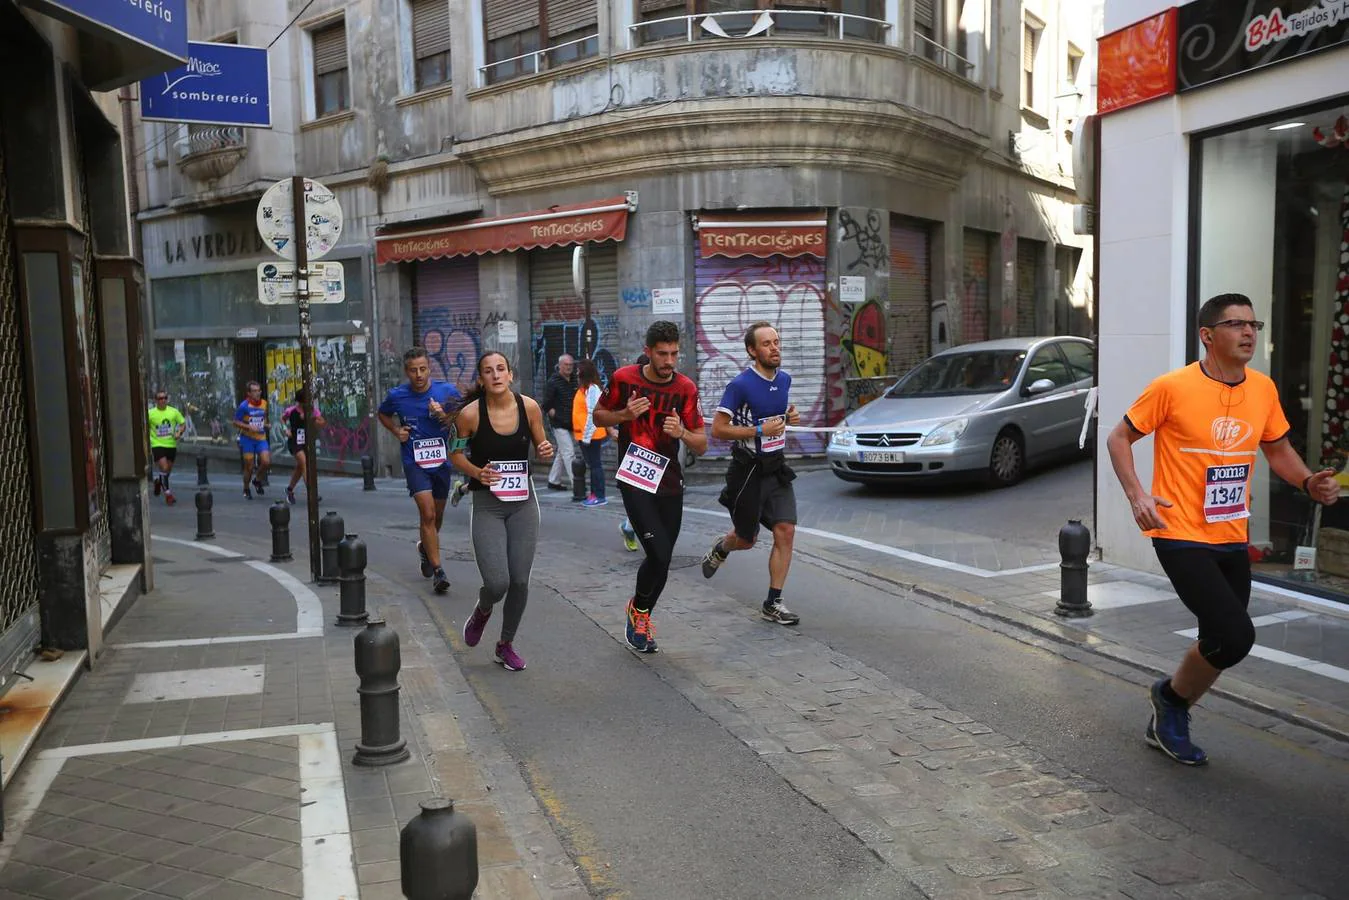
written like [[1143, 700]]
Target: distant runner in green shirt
[[166, 427]]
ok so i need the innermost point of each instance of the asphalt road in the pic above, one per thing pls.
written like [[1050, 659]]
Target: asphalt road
[[654, 799]]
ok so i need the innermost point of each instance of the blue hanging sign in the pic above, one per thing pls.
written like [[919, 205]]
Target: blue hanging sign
[[160, 25], [222, 84]]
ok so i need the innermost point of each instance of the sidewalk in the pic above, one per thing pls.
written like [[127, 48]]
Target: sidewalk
[[208, 753]]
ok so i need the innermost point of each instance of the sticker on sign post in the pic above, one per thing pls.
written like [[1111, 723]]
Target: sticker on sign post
[[513, 486], [642, 468], [321, 229]]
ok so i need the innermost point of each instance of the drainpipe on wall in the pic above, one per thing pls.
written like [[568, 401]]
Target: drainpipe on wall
[[133, 191]]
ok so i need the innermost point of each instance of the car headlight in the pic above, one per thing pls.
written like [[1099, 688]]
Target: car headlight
[[946, 434], [843, 439]]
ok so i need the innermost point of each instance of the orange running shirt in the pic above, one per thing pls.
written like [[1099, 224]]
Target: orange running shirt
[[1206, 436]]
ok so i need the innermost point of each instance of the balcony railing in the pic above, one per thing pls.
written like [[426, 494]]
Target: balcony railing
[[538, 60], [842, 26], [943, 56], [210, 153]]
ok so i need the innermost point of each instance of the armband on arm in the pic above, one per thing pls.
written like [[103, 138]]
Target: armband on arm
[[459, 445]]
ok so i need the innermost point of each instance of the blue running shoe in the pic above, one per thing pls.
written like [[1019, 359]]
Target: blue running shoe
[[638, 630], [427, 569], [1169, 730]]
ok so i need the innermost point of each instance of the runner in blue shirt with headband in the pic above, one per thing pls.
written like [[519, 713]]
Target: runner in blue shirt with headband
[[421, 415]]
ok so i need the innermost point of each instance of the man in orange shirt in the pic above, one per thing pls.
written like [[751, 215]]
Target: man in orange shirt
[[1209, 420]]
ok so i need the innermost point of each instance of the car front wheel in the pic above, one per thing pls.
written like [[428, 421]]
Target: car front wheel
[[1007, 462]]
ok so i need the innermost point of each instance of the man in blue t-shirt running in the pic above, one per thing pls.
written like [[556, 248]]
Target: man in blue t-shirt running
[[421, 415], [250, 420], [754, 412]]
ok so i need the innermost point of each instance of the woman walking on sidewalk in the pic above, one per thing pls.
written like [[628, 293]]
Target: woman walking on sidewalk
[[496, 427], [590, 436]]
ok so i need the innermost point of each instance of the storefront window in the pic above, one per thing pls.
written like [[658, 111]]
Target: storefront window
[[1272, 223]]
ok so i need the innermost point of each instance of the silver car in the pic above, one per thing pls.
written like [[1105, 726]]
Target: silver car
[[991, 409]]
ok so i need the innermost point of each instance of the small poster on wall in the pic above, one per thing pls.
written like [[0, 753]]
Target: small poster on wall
[[667, 301], [508, 332], [852, 289]]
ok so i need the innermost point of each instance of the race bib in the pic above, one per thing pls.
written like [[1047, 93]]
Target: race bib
[[430, 453], [514, 483], [299, 437], [1225, 493], [164, 429], [642, 468], [772, 444]]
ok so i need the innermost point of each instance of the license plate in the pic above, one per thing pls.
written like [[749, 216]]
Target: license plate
[[882, 456]]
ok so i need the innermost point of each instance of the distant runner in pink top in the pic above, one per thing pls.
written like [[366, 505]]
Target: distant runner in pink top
[[297, 438]]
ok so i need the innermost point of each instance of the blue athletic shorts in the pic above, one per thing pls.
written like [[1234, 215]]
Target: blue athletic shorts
[[438, 481], [250, 445]]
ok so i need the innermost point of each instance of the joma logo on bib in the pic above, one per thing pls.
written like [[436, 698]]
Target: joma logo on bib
[[1229, 432]]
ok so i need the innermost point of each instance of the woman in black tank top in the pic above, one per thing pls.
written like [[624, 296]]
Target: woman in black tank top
[[493, 448]]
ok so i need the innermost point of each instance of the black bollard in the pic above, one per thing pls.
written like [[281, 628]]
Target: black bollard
[[377, 665], [438, 853], [351, 562], [578, 477], [201, 469], [1074, 545], [331, 529], [204, 501], [367, 473], [279, 516]]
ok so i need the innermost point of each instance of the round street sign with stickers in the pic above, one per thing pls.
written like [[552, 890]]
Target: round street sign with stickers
[[322, 225]]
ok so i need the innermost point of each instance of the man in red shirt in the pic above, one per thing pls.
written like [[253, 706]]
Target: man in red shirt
[[654, 408]]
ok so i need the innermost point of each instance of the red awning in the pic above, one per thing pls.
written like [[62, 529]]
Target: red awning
[[762, 236], [603, 220]]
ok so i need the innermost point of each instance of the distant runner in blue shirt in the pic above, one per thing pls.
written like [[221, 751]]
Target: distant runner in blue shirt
[[421, 415], [250, 420], [754, 413]]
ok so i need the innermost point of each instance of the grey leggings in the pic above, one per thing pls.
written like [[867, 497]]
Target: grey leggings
[[504, 536]]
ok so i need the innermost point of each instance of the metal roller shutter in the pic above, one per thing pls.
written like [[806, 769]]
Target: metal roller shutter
[[558, 324], [790, 293], [910, 295], [330, 49], [925, 15], [974, 293], [570, 15], [445, 317], [430, 27], [1028, 260], [505, 17]]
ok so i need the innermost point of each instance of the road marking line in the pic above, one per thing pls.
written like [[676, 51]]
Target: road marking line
[[206, 548], [308, 606], [325, 830], [1282, 657], [24, 797], [896, 552], [213, 641], [170, 741]]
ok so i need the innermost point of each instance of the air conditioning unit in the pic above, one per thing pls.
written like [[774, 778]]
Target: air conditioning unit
[[1084, 218]]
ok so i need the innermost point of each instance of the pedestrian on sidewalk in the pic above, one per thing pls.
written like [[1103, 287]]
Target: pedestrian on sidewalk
[[558, 395], [496, 427], [421, 414], [297, 437], [656, 410], [590, 435], [1208, 421], [754, 412], [166, 428], [250, 420]]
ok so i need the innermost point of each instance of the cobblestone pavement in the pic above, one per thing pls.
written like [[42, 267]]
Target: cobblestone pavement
[[208, 755]]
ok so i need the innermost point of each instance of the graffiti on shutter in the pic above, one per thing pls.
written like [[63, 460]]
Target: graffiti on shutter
[[790, 293], [1028, 260], [910, 295], [974, 293], [446, 320], [558, 323]]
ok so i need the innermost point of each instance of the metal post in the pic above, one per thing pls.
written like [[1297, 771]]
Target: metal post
[[279, 515], [351, 558], [1074, 545], [438, 853], [331, 530], [204, 501], [368, 473], [311, 480], [377, 663], [201, 469]]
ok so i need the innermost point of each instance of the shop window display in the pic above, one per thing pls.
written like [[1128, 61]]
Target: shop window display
[[1273, 223]]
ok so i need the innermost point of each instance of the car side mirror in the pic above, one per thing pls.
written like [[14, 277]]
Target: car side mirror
[[1040, 386]]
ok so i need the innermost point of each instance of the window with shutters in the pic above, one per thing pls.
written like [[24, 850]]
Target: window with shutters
[[1031, 30], [653, 12], [524, 37], [665, 20], [1074, 68], [332, 87], [430, 42]]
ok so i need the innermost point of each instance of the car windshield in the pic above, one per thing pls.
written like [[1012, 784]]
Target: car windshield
[[975, 372]]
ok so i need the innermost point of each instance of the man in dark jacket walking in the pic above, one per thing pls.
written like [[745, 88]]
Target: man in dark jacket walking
[[556, 405]]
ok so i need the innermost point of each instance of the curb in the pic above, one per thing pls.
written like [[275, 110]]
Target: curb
[[1324, 720]]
